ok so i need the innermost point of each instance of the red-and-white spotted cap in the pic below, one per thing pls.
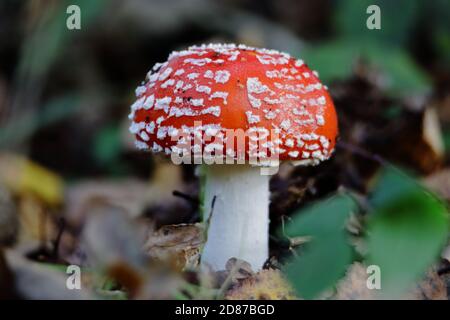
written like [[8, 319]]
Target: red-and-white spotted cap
[[217, 87]]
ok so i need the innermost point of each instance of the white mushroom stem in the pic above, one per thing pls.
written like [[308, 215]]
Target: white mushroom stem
[[239, 225]]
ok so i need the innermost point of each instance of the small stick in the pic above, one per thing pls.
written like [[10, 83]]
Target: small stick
[[213, 203], [362, 152], [62, 226], [186, 197]]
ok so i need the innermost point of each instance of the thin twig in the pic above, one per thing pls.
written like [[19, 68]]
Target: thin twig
[[185, 196], [229, 278], [362, 152], [62, 227], [208, 220]]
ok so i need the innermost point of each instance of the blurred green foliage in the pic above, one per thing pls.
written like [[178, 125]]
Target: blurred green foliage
[[44, 44], [447, 141], [336, 60], [50, 36], [440, 18], [406, 231], [387, 49], [397, 20], [107, 150], [326, 217], [407, 228], [327, 256]]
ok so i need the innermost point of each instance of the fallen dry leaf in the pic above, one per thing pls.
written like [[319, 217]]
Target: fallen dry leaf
[[439, 182], [353, 286], [431, 287], [131, 195], [81, 198], [432, 133], [179, 244], [23, 176], [235, 271], [238, 269], [110, 237], [35, 281], [265, 285], [113, 242], [37, 224]]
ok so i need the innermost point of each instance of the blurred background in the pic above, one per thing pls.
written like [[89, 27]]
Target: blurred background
[[68, 166]]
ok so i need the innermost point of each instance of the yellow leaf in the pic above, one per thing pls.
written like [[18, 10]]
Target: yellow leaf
[[23, 176]]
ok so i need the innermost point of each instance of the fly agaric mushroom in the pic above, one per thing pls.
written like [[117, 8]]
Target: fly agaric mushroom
[[211, 90]]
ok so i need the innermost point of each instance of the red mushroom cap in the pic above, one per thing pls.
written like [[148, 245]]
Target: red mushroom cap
[[236, 87]]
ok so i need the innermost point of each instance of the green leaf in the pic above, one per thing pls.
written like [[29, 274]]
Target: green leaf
[[336, 60], [322, 264], [49, 39], [441, 39], [447, 141], [324, 217], [396, 27], [437, 15], [327, 256], [393, 112], [333, 60], [392, 185], [406, 232], [383, 50], [107, 144], [402, 75]]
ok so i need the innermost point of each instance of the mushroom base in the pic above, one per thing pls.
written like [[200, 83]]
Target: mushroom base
[[239, 224]]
